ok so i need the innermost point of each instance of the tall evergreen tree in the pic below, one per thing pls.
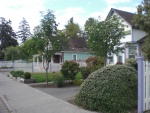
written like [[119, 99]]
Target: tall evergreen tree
[[7, 35], [24, 30]]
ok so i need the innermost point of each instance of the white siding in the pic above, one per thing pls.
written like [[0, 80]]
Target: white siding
[[126, 39], [138, 34]]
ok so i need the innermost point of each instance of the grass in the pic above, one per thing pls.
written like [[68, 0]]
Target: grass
[[41, 77]]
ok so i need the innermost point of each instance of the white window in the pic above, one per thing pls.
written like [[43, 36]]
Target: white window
[[119, 58], [74, 57], [111, 59], [132, 52]]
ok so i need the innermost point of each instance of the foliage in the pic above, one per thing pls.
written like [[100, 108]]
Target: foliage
[[103, 37], [27, 75], [18, 73], [24, 30], [49, 34], [78, 79], [28, 48], [12, 53], [141, 21], [12, 72], [72, 29], [111, 89], [131, 62], [7, 35], [93, 63], [85, 71], [58, 80], [70, 69]]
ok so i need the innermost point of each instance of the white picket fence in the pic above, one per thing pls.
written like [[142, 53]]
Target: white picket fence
[[29, 67], [146, 85], [34, 66]]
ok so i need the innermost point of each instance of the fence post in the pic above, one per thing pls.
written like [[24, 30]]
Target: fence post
[[140, 84], [32, 67]]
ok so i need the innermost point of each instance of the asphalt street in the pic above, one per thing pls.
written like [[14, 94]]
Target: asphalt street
[[65, 93]]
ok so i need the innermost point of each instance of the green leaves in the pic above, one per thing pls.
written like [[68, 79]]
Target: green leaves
[[111, 89], [141, 20], [70, 69], [104, 35], [72, 29]]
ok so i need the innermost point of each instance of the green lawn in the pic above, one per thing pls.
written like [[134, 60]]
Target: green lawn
[[41, 77]]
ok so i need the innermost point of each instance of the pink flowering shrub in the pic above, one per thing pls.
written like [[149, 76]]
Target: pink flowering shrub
[[93, 63]]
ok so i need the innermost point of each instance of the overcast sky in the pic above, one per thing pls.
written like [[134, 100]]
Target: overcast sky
[[81, 10]]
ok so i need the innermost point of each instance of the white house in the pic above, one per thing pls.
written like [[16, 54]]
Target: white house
[[132, 35]]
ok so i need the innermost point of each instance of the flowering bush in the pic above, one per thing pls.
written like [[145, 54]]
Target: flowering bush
[[93, 63], [70, 69]]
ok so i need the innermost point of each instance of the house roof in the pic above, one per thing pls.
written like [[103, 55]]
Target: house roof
[[76, 45], [127, 16], [141, 40]]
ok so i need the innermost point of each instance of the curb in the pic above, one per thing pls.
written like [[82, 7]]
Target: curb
[[4, 99]]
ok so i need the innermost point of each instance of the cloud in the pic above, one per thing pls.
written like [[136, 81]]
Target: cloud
[[116, 1], [15, 10], [63, 16], [80, 15]]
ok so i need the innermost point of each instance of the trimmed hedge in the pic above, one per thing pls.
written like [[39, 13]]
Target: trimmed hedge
[[27, 75], [18, 73], [111, 89]]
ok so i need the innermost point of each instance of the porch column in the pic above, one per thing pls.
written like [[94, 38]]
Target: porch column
[[140, 84], [139, 49]]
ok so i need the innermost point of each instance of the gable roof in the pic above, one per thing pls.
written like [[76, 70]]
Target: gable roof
[[76, 45], [127, 16]]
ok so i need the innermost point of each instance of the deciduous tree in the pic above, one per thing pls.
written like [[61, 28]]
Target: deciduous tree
[[12, 53], [141, 20], [104, 36], [72, 29]]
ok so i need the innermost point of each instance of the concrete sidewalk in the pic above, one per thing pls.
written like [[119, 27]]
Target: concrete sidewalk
[[20, 98]]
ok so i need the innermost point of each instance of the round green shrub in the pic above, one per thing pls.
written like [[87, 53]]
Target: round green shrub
[[111, 89], [27, 75], [70, 69]]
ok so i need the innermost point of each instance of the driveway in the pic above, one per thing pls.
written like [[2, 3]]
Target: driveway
[[65, 93]]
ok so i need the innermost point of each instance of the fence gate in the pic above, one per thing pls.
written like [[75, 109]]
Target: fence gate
[[146, 85]]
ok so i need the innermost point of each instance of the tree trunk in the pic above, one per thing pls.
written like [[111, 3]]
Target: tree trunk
[[47, 77]]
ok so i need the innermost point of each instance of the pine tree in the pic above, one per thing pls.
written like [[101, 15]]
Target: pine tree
[[7, 35], [24, 30]]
